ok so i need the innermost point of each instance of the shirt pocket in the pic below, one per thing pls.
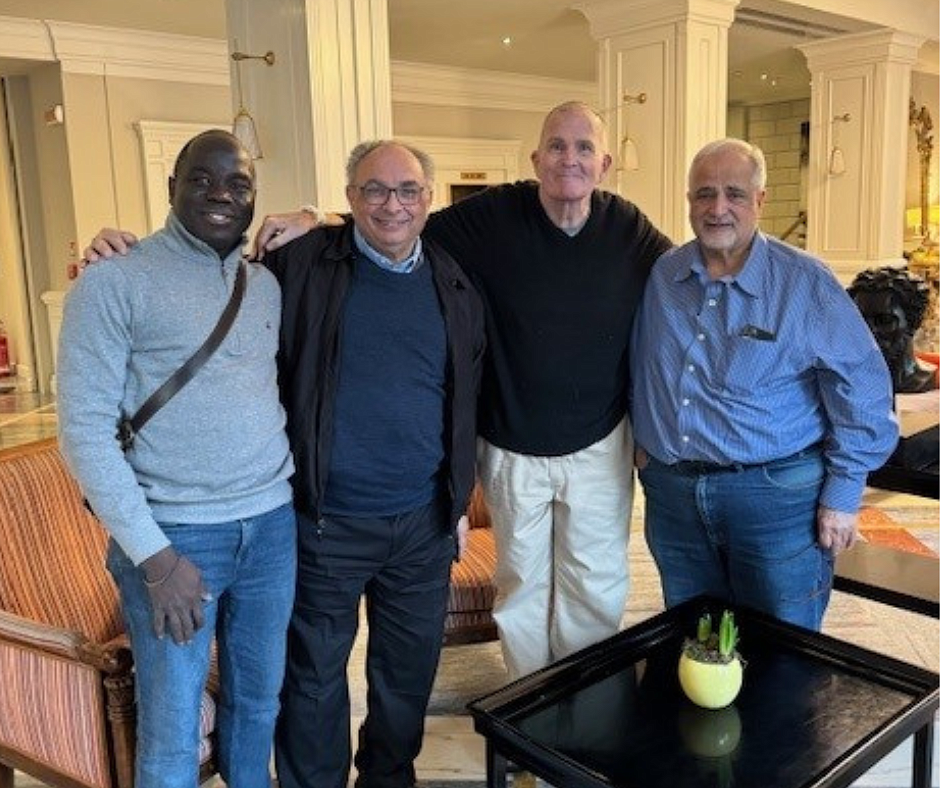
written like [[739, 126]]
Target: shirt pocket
[[748, 364]]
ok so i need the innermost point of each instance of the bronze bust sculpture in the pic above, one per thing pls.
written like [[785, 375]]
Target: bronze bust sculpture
[[893, 302]]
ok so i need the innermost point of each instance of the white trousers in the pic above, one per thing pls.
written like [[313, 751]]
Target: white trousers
[[561, 526]]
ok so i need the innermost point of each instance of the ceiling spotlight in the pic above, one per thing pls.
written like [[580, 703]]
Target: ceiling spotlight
[[763, 77], [507, 41]]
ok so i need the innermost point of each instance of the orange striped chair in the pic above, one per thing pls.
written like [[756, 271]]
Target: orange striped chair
[[472, 582], [66, 670]]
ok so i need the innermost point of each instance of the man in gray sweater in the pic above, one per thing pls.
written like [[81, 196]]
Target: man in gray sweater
[[203, 531]]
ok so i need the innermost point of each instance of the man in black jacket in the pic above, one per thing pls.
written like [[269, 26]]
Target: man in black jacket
[[381, 346]]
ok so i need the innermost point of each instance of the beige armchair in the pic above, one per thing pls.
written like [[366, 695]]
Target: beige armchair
[[67, 714]]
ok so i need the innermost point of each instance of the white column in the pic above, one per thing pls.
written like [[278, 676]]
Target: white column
[[676, 52], [329, 89], [855, 219]]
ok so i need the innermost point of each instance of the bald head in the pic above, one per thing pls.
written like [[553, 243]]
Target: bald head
[[212, 190]]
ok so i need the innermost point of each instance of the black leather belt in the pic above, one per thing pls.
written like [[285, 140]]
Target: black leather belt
[[699, 467], [702, 467]]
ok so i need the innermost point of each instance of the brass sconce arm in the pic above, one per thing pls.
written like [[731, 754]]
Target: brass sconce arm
[[267, 57]]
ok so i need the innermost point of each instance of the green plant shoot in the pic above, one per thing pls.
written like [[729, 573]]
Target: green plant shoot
[[727, 634], [704, 631]]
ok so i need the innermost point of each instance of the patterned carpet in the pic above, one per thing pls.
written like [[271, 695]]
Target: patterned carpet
[[878, 526]]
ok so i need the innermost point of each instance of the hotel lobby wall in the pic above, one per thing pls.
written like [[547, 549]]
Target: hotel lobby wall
[[45, 188], [14, 305], [97, 104], [89, 168], [86, 172], [412, 120]]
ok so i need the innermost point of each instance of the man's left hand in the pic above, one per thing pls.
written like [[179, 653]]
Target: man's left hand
[[837, 530]]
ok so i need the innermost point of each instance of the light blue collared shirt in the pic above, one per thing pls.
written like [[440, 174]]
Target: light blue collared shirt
[[758, 366], [406, 266]]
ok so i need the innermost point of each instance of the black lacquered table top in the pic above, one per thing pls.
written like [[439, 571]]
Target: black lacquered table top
[[813, 711]]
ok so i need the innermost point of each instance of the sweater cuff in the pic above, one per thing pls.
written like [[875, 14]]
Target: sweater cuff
[[144, 545]]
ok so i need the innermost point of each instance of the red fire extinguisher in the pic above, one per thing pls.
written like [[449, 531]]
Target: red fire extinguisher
[[6, 368]]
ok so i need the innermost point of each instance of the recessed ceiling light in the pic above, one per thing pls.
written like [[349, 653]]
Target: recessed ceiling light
[[763, 77], [507, 41]]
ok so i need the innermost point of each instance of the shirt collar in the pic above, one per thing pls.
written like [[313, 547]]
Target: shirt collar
[[406, 266], [748, 278]]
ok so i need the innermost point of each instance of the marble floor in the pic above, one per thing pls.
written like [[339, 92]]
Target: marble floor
[[454, 753], [25, 418]]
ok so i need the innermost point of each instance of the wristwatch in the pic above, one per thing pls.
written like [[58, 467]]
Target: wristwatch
[[317, 213]]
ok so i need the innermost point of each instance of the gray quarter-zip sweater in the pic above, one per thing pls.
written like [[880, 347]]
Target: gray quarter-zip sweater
[[215, 452]]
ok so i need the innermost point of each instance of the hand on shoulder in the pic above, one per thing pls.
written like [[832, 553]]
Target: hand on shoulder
[[108, 242]]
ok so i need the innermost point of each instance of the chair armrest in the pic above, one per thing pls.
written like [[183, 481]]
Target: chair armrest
[[477, 512], [112, 657]]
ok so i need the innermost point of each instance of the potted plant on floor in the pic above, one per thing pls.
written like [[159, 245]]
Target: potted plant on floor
[[710, 668]]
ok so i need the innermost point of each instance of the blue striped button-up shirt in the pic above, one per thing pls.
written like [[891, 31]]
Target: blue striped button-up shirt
[[757, 366]]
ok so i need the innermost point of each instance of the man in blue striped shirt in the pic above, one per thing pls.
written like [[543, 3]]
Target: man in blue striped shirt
[[760, 402]]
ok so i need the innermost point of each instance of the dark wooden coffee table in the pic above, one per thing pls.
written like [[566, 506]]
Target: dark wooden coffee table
[[814, 711]]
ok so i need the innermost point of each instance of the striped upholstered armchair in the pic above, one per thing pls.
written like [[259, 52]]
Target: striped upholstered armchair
[[472, 582], [66, 669]]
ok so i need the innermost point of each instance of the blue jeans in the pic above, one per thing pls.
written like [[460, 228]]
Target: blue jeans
[[747, 535], [249, 566]]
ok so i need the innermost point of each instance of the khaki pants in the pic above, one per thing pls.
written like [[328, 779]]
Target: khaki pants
[[561, 526]]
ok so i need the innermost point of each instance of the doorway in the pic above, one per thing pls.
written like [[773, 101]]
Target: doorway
[[18, 298]]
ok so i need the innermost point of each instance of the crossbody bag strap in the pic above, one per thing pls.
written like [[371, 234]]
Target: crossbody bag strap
[[128, 428]]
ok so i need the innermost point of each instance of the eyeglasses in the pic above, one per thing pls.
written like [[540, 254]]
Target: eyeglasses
[[378, 193]]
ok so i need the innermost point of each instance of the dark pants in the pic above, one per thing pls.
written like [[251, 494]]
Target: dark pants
[[402, 565]]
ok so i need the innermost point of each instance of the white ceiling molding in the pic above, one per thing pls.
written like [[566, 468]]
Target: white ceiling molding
[[608, 18], [141, 54], [870, 46], [423, 83], [25, 39], [919, 17], [928, 60]]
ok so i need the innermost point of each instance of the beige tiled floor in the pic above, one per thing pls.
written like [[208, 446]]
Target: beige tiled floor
[[452, 751]]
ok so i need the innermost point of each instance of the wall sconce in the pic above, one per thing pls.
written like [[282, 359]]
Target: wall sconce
[[54, 116], [243, 126], [629, 159], [836, 156]]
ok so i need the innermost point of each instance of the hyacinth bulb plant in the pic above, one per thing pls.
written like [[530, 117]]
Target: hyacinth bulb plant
[[710, 668]]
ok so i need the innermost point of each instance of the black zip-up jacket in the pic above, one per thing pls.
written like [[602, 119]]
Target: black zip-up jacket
[[315, 271]]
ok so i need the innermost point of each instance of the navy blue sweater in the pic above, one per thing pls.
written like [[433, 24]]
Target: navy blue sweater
[[388, 428]]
